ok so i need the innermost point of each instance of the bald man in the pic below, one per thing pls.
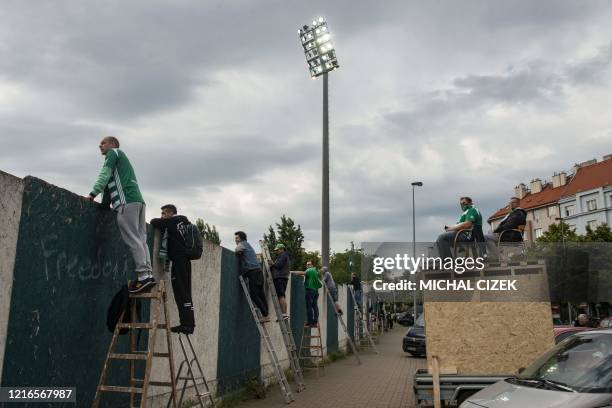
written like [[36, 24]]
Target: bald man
[[117, 181]]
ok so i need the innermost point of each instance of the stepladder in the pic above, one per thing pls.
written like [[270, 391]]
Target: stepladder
[[361, 326], [311, 348], [285, 326], [349, 338], [191, 373], [269, 345], [138, 387]]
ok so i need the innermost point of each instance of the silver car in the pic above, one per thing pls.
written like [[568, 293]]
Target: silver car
[[576, 373]]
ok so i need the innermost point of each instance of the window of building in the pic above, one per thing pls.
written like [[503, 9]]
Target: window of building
[[592, 224], [591, 205], [552, 211], [570, 210], [538, 232]]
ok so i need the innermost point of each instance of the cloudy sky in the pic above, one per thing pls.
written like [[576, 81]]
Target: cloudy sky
[[213, 104]]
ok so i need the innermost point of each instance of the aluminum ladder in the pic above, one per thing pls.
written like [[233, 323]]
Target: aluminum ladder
[[285, 327], [265, 336]]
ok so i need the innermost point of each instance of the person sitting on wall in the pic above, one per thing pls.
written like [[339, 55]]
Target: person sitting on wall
[[181, 266], [468, 228], [508, 227]]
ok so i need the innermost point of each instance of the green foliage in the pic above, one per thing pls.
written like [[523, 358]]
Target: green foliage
[[341, 264], [312, 256], [561, 232], [208, 232], [291, 236], [564, 233], [602, 233]]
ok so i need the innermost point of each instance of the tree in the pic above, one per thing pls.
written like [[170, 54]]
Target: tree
[[602, 233], [341, 264], [312, 256], [290, 235], [561, 232], [208, 232]]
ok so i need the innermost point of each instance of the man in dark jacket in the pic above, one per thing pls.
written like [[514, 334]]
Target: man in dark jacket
[[513, 220], [280, 276], [181, 265]]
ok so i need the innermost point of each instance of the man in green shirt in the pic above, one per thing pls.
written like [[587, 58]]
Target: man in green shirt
[[470, 219], [117, 181], [312, 283]]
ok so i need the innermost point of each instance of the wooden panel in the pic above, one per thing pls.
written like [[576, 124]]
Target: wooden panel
[[487, 337]]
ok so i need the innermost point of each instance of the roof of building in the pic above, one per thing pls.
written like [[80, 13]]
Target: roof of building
[[586, 178], [548, 195], [590, 177]]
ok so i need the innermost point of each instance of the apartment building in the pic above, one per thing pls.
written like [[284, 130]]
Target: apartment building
[[584, 197]]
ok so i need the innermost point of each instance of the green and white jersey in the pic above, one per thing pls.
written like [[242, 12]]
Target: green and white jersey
[[471, 214], [118, 179]]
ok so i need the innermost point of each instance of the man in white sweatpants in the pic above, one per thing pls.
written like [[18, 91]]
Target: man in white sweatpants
[[118, 182]]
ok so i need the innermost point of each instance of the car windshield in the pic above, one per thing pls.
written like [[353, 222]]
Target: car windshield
[[581, 362], [420, 321]]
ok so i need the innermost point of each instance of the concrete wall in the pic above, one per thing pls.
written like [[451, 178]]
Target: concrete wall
[[10, 208], [68, 263], [61, 262]]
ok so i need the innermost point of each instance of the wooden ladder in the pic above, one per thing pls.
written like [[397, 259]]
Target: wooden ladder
[[311, 349], [158, 321]]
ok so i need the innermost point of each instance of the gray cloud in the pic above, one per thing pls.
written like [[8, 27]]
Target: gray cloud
[[213, 104]]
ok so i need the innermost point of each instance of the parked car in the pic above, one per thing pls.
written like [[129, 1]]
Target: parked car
[[405, 319], [576, 373], [414, 340], [605, 323], [563, 332]]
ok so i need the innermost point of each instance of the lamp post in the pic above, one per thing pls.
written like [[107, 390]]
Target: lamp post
[[321, 59], [414, 296]]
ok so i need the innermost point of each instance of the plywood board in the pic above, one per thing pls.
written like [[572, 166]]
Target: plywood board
[[487, 337]]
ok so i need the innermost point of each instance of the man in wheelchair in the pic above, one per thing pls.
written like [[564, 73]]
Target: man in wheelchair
[[467, 229], [510, 229]]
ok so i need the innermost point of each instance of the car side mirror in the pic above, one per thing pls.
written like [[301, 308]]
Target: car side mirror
[[520, 370]]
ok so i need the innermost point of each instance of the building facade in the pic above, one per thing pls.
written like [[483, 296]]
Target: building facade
[[584, 197]]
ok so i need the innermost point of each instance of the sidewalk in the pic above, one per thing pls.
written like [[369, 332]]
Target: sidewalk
[[382, 380]]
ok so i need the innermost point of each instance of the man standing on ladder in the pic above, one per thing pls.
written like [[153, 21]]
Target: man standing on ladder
[[312, 284], [181, 266], [251, 269], [280, 276], [117, 181], [328, 279], [356, 282]]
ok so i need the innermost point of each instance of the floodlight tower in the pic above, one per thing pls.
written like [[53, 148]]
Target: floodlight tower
[[321, 58]]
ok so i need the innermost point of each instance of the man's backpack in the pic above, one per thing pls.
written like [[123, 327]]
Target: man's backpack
[[191, 239]]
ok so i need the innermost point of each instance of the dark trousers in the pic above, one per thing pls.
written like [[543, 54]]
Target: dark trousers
[[256, 290], [445, 243], [181, 286], [312, 307]]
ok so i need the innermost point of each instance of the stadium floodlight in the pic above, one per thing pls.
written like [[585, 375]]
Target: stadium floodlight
[[318, 48], [321, 59]]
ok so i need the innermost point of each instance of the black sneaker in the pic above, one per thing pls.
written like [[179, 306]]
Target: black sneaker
[[142, 285], [182, 329]]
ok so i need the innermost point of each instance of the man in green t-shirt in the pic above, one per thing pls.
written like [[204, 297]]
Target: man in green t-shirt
[[117, 181], [470, 219], [312, 283]]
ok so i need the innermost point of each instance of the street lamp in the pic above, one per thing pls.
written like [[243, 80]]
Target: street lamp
[[414, 296], [321, 59]]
